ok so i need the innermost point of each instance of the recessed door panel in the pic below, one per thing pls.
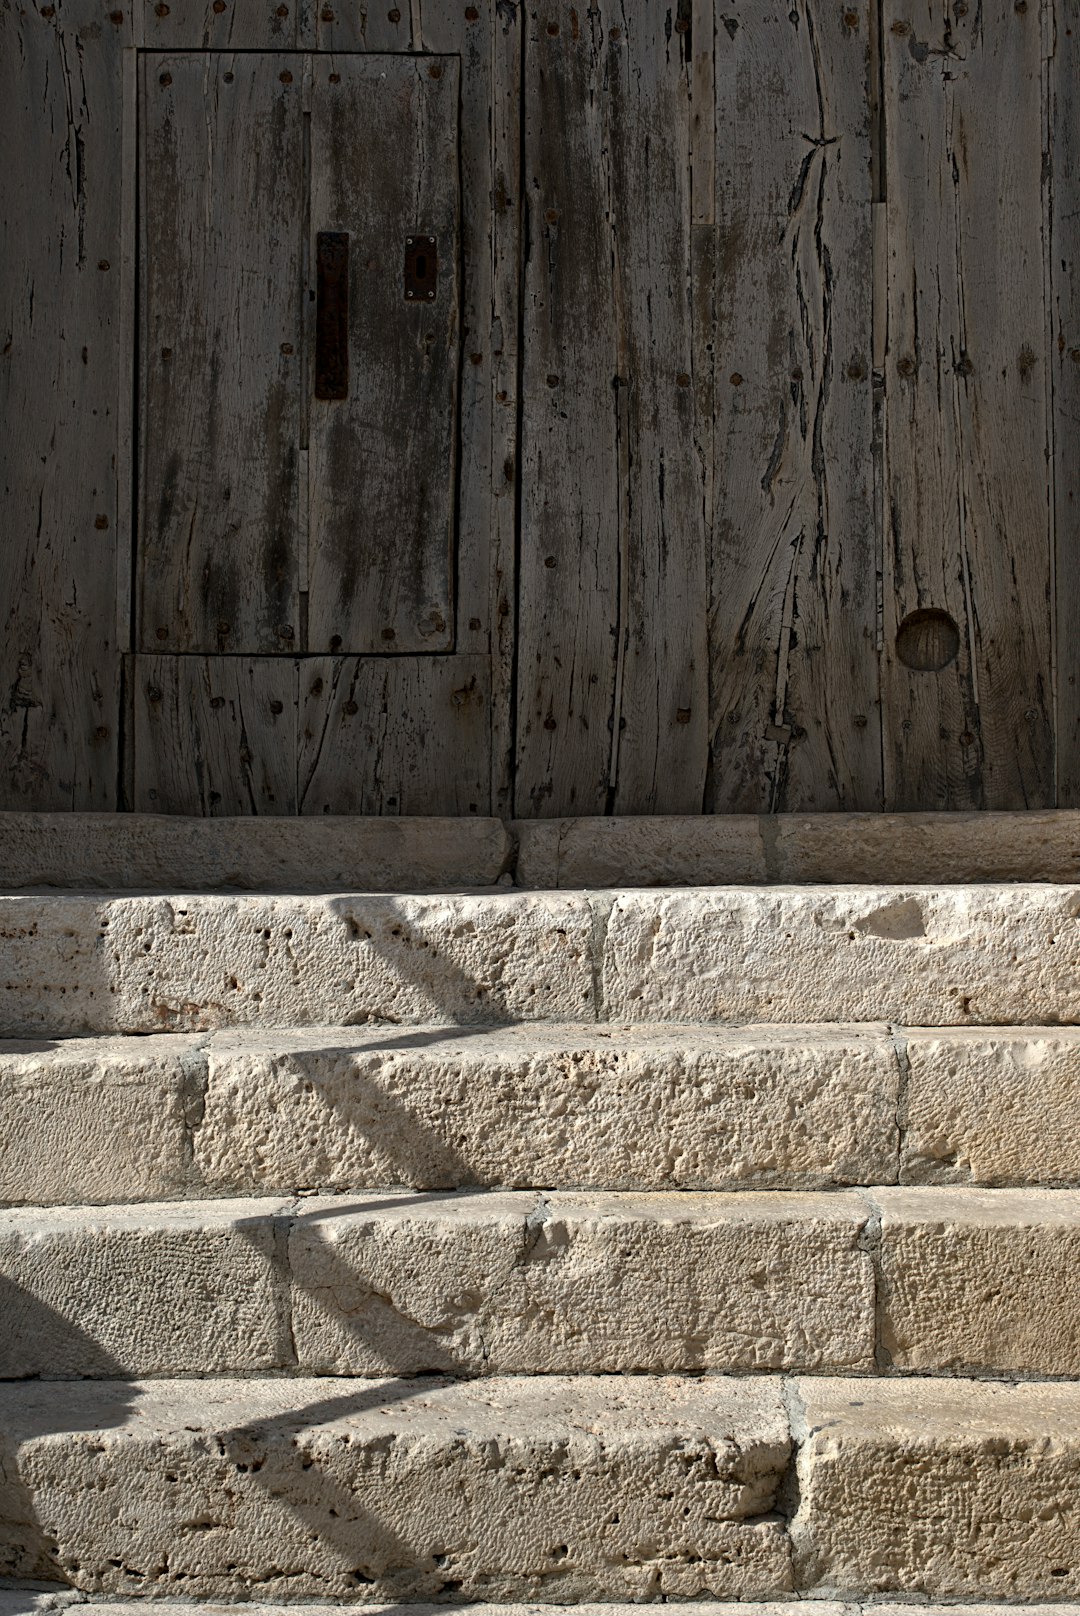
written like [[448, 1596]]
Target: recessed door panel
[[299, 287]]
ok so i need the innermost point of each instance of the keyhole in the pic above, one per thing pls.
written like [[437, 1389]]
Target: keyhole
[[421, 266]]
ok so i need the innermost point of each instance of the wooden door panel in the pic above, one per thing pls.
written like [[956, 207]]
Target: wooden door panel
[[384, 173], [612, 682], [967, 681], [795, 719], [222, 184]]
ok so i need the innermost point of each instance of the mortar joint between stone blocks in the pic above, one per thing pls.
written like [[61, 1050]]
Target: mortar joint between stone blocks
[[600, 905], [899, 1039]]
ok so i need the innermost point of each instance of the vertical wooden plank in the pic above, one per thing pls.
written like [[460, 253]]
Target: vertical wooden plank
[[394, 735], [214, 735], [612, 676], [1063, 234], [792, 588], [62, 400], [967, 672], [222, 302], [488, 39], [384, 169]]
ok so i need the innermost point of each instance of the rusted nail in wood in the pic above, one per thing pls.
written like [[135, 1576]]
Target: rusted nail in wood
[[393, 16], [326, 15], [434, 71], [549, 561], [736, 379], [101, 523], [103, 263], [350, 707], [335, 78], [153, 694], [165, 79], [553, 29], [906, 366], [552, 381], [476, 359], [282, 11], [615, 33], [102, 732], [161, 10], [471, 14], [474, 623], [851, 19], [549, 723], [682, 715], [223, 628], [286, 77], [162, 633], [229, 77], [117, 17], [48, 11], [277, 706], [900, 29], [219, 6], [683, 379], [286, 633], [856, 370], [552, 216]]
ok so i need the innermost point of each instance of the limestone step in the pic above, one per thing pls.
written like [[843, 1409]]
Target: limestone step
[[933, 1281], [560, 1489], [614, 1106], [34, 1602], [75, 963], [330, 853]]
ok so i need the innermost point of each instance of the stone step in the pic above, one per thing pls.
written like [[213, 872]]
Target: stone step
[[611, 1106], [562, 1489], [31, 1602], [74, 963], [334, 853], [933, 1281]]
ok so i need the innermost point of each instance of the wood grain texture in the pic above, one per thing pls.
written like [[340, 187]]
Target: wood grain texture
[[63, 393], [214, 735], [612, 675], [269, 25], [793, 560], [222, 343], [966, 493], [1063, 177], [394, 735], [488, 39], [384, 167]]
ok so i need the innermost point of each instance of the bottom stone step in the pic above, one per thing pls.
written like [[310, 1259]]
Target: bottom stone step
[[560, 1489], [14, 1602]]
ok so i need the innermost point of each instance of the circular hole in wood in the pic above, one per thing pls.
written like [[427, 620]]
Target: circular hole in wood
[[927, 640]]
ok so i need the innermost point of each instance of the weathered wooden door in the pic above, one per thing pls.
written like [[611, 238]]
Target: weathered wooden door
[[542, 408]]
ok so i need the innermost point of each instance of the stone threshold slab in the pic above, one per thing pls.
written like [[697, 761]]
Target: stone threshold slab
[[333, 854]]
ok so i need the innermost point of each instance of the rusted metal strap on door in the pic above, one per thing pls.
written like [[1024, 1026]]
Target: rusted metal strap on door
[[332, 314]]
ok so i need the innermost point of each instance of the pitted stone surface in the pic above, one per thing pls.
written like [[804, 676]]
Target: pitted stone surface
[[97, 1119], [929, 956], [613, 1106], [949, 1488], [175, 1289], [397, 1490], [73, 963], [574, 1283], [316, 853], [981, 1280], [997, 1106]]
